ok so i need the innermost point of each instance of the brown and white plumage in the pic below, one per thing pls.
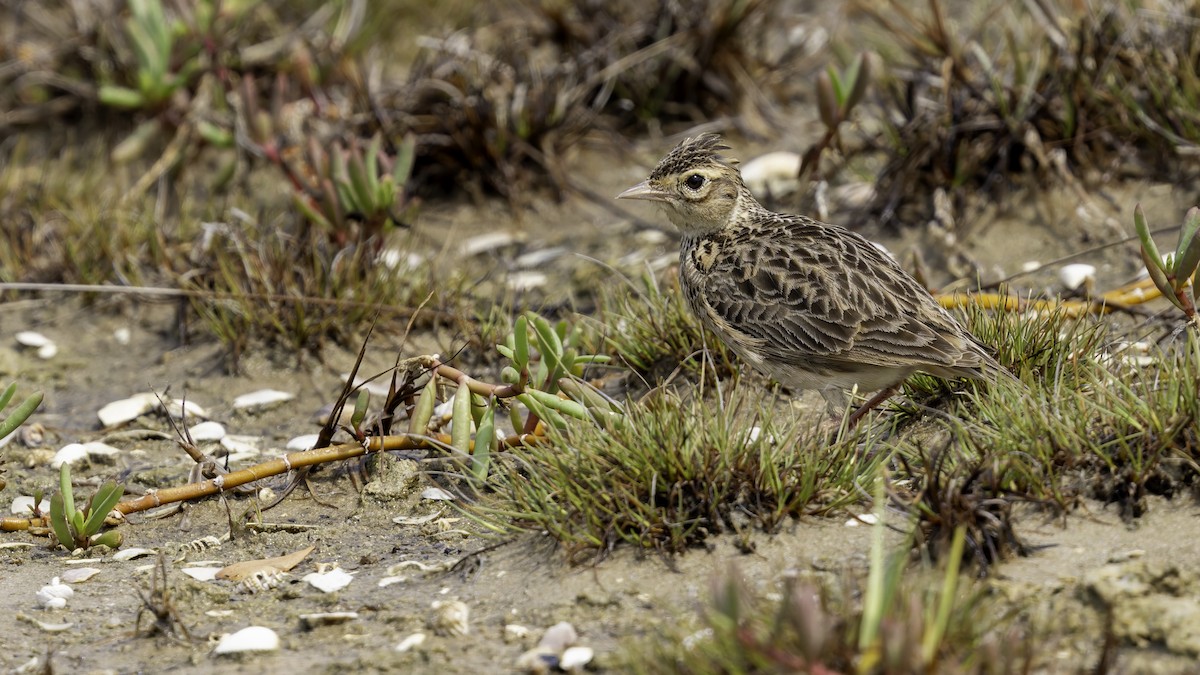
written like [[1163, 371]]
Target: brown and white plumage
[[812, 305]]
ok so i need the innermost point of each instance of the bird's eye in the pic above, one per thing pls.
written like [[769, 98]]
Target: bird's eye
[[694, 181]]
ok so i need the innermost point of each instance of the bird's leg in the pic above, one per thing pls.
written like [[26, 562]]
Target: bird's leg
[[879, 397]]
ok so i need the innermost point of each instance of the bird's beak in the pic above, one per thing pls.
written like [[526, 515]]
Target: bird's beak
[[644, 190]]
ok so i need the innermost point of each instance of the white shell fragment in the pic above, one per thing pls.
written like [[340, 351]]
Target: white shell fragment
[[864, 519], [515, 631], [1074, 276], [302, 443], [526, 280], [68, 454], [127, 409], [774, 174], [46, 349], [329, 581], [414, 640], [177, 409], [326, 618], [249, 639], [207, 431], [539, 257], [23, 506], [79, 574], [488, 242], [240, 446], [73, 452], [261, 399], [131, 553], [29, 338], [450, 617], [408, 520], [202, 573], [436, 493], [575, 658], [54, 595]]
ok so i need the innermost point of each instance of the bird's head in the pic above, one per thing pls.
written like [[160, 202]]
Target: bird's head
[[698, 188]]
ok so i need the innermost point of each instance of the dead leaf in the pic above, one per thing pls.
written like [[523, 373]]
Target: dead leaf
[[241, 571]]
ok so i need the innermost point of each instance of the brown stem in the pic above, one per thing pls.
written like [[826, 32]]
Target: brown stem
[[296, 460]]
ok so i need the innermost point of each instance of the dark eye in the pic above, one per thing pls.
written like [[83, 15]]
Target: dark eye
[[694, 181]]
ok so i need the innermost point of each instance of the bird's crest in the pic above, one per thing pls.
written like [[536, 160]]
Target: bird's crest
[[692, 152]]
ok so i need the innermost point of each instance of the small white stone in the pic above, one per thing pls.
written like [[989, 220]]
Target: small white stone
[[249, 639], [68, 454], [122, 336], [558, 637], [207, 431], [1030, 265], [23, 506], [79, 574], [47, 352], [575, 658], [29, 338], [775, 174], [54, 595], [302, 443], [1074, 276], [127, 409], [436, 493], [328, 582], [414, 640], [261, 399]]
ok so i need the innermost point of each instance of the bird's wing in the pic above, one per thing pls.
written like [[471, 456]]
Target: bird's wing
[[806, 290]]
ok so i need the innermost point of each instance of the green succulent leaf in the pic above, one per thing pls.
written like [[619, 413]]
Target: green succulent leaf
[[422, 412], [19, 414], [361, 405], [1150, 252], [1187, 253], [64, 486], [484, 439], [58, 521], [1159, 277], [121, 97], [103, 501], [111, 539], [520, 333], [460, 425]]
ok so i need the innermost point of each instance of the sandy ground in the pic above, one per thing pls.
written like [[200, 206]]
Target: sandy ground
[[524, 582]]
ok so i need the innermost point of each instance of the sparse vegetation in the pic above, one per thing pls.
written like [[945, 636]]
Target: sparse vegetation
[[272, 167]]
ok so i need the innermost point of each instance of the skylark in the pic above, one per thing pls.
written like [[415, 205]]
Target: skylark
[[811, 305]]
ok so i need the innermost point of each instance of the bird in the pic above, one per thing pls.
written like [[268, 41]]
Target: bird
[[809, 304]]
